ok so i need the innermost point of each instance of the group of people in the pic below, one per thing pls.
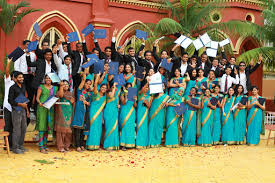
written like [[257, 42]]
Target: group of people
[[94, 106]]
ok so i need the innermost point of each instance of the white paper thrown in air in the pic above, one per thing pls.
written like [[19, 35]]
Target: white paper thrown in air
[[186, 43], [50, 102], [208, 45], [198, 44], [211, 52], [180, 39], [155, 84], [214, 44], [205, 38], [224, 42]]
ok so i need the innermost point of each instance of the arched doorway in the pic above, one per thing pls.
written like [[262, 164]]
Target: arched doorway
[[54, 25]]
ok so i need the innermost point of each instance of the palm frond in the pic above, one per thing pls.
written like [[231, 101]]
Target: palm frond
[[167, 26]]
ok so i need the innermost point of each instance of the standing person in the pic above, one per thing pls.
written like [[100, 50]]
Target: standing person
[[111, 139], [19, 116], [177, 82], [211, 79], [104, 76], [144, 103], [199, 81], [157, 118], [215, 67], [172, 120], [64, 70], [96, 115], [192, 82], [81, 121], [190, 120], [130, 76], [255, 118], [21, 65], [207, 119], [204, 64], [40, 52], [244, 73], [63, 117], [239, 116], [227, 81], [216, 132], [9, 81], [227, 118], [79, 58], [43, 67], [127, 118], [45, 117]]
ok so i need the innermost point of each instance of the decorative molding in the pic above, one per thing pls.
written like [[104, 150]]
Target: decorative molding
[[248, 2], [102, 25], [142, 3], [252, 16], [240, 42], [50, 15], [125, 30], [218, 13]]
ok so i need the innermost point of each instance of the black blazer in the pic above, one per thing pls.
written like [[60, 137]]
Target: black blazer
[[217, 71], [77, 58], [115, 56], [248, 71], [40, 65], [133, 61], [39, 53]]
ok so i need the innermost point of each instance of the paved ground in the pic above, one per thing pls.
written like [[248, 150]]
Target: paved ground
[[237, 164]]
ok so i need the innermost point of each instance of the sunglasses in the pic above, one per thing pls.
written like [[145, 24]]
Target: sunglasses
[[242, 65]]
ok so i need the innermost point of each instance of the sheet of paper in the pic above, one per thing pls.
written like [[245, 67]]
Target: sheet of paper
[[214, 44], [155, 84], [224, 42], [211, 52], [180, 39], [54, 77], [186, 43], [205, 38], [50, 102], [208, 45], [197, 44]]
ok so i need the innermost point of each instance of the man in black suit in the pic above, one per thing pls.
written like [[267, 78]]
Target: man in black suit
[[203, 63], [116, 55], [163, 54], [244, 73], [132, 57], [215, 67], [232, 64], [43, 67], [39, 52], [79, 58], [106, 55]]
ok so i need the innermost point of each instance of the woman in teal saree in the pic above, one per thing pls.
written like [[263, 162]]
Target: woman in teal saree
[[190, 120], [207, 120], [172, 119], [239, 117], [191, 82], [176, 82], [111, 138], [255, 118], [127, 119], [157, 119], [227, 118], [216, 130], [144, 103], [98, 102]]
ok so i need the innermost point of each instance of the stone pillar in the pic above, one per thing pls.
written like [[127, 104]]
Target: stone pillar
[[101, 19]]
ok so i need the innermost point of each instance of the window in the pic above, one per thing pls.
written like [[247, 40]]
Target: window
[[51, 35]]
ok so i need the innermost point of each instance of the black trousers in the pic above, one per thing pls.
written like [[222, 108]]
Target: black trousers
[[30, 91], [77, 81], [79, 137], [8, 125]]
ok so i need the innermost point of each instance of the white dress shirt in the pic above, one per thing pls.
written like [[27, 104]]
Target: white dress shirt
[[20, 64], [243, 81], [213, 68], [62, 69], [62, 53], [81, 62], [202, 65], [48, 67], [230, 81], [183, 68], [8, 84]]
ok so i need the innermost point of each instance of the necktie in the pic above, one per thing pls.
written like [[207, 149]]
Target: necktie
[[70, 76], [225, 86]]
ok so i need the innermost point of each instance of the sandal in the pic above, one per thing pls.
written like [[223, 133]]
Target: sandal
[[43, 151], [63, 150], [79, 149], [83, 148]]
